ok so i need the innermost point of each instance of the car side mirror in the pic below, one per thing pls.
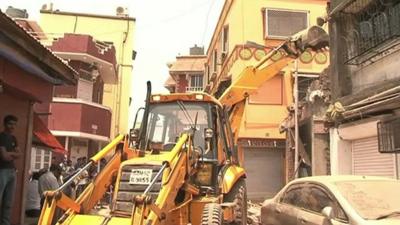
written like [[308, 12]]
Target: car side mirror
[[327, 212], [134, 135], [208, 136]]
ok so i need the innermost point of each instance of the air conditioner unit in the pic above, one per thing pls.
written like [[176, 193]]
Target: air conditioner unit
[[122, 12]]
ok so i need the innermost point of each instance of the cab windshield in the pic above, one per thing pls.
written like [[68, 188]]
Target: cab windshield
[[167, 121]]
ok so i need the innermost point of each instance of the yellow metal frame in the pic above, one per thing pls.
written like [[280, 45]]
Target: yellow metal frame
[[230, 177], [56, 199]]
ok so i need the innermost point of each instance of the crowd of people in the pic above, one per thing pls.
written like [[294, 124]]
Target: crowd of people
[[46, 179], [53, 177]]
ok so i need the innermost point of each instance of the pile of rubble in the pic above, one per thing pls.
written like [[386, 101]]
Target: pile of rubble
[[253, 213]]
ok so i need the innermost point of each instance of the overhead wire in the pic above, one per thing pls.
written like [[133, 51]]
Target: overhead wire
[[204, 33], [177, 16]]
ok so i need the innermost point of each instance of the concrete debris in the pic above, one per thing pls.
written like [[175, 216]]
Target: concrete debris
[[253, 213]]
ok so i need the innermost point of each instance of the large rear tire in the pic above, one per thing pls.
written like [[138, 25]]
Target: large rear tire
[[238, 195], [212, 214]]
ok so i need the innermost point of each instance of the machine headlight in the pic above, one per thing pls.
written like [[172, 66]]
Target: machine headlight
[[204, 174]]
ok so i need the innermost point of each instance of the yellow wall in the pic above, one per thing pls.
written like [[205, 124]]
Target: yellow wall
[[245, 21], [118, 31]]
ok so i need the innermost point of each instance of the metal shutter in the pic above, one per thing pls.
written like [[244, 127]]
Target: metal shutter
[[264, 170], [368, 161]]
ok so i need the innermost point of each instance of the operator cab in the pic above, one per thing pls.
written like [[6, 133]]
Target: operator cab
[[168, 121], [169, 116]]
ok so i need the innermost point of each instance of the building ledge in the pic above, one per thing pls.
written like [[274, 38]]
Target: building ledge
[[79, 134], [85, 48], [65, 13], [80, 101], [79, 116]]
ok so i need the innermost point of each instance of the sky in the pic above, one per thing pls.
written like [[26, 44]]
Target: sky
[[164, 29]]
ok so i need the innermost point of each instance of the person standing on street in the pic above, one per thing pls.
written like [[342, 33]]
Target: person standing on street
[[32, 205], [8, 153], [49, 181]]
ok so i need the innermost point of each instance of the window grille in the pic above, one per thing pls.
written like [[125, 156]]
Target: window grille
[[196, 83], [389, 136], [368, 28], [285, 23]]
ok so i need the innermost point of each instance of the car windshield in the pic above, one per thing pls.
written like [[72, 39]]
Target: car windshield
[[167, 121], [373, 199]]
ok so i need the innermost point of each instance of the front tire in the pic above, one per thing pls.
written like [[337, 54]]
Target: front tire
[[238, 195], [212, 214]]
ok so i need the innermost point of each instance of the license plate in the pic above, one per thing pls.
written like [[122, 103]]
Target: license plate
[[140, 176]]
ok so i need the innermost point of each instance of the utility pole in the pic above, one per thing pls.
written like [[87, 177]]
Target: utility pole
[[296, 118]]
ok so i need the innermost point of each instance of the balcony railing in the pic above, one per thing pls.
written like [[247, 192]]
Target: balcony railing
[[194, 89], [239, 52], [369, 28]]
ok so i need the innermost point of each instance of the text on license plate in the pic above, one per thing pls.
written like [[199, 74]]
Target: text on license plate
[[140, 176]]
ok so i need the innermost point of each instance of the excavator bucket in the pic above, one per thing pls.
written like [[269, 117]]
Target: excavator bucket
[[314, 37]]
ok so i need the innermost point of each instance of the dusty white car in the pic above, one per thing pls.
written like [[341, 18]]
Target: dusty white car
[[335, 200]]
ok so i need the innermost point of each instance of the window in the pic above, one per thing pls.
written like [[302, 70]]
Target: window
[[159, 127], [293, 197], [85, 90], [168, 121], [388, 132], [225, 36], [208, 73], [283, 23], [317, 199], [215, 60], [196, 83], [368, 29], [312, 198], [271, 92], [40, 158]]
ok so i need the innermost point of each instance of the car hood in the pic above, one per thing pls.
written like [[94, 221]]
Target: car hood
[[388, 221]]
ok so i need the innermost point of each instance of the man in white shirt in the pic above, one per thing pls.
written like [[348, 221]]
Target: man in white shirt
[[49, 181]]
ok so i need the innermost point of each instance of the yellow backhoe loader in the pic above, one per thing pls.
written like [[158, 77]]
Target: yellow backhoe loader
[[181, 166]]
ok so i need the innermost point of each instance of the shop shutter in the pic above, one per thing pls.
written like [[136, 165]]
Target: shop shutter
[[368, 161], [264, 170]]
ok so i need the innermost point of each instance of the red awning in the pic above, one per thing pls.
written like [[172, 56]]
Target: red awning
[[42, 133]]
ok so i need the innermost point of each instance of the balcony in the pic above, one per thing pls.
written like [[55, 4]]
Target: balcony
[[243, 56], [85, 48], [194, 89], [89, 120], [369, 29], [246, 55]]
